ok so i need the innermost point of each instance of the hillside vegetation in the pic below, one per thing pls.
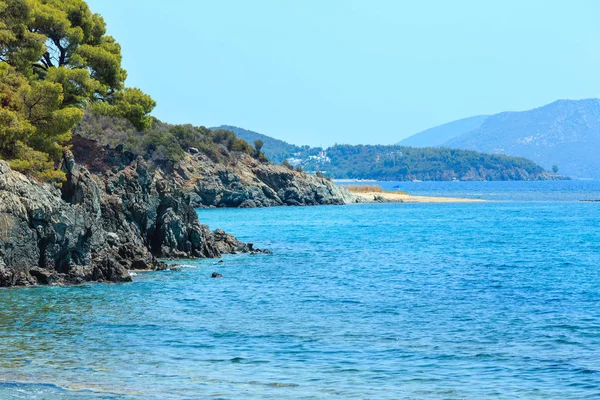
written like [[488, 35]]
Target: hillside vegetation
[[60, 73], [55, 61], [408, 163], [163, 143]]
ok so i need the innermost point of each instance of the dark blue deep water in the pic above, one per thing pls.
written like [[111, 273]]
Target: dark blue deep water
[[496, 300]]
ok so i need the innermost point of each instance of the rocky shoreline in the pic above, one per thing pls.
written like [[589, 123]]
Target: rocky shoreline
[[117, 212], [97, 227]]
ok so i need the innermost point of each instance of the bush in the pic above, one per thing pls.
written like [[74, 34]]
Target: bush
[[286, 164], [242, 146], [224, 137], [262, 157], [258, 145], [35, 163], [163, 142]]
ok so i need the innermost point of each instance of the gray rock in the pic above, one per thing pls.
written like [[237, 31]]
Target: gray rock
[[98, 226], [247, 183]]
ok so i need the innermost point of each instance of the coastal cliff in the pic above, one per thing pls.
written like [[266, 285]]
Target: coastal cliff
[[248, 183], [98, 226], [238, 180]]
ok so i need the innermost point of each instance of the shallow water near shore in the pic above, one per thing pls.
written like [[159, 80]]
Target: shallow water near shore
[[389, 301]]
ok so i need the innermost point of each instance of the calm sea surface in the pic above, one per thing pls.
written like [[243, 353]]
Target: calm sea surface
[[496, 300]]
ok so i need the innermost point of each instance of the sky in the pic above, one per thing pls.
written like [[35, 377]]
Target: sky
[[358, 72]]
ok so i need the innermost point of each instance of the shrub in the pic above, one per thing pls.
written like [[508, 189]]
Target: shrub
[[262, 157], [35, 163], [242, 146], [286, 164]]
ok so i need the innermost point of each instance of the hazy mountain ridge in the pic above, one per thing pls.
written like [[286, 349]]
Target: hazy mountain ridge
[[440, 134], [565, 133]]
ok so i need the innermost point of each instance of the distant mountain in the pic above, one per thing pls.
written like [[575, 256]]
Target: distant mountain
[[565, 133], [439, 135], [276, 150]]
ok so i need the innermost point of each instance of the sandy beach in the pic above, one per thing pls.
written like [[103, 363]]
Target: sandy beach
[[378, 197]]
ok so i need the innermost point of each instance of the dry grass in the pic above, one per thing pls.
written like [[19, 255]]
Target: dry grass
[[364, 188], [371, 189]]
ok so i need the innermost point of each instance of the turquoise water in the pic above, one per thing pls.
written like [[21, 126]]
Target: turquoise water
[[388, 301]]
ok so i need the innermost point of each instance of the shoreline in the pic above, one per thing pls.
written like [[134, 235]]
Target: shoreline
[[353, 180], [389, 197]]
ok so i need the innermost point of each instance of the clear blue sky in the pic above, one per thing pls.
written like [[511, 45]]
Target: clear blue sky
[[322, 72]]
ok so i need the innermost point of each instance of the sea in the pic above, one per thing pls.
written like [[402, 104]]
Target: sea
[[491, 300]]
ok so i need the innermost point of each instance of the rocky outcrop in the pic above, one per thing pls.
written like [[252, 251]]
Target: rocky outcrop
[[240, 181], [98, 226], [247, 182]]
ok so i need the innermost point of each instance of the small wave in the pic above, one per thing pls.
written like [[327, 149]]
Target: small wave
[[565, 341], [25, 386], [282, 385], [273, 384], [585, 371], [239, 360], [485, 355]]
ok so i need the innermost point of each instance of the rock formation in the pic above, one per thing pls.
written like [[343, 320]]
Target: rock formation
[[248, 183], [98, 226], [241, 182]]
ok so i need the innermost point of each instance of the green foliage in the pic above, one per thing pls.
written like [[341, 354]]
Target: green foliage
[[188, 135], [161, 146], [35, 163], [286, 164], [56, 60], [223, 137], [262, 157], [161, 142], [242, 146], [131, 104], [35, 124], [407, 163], [258, 145]]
